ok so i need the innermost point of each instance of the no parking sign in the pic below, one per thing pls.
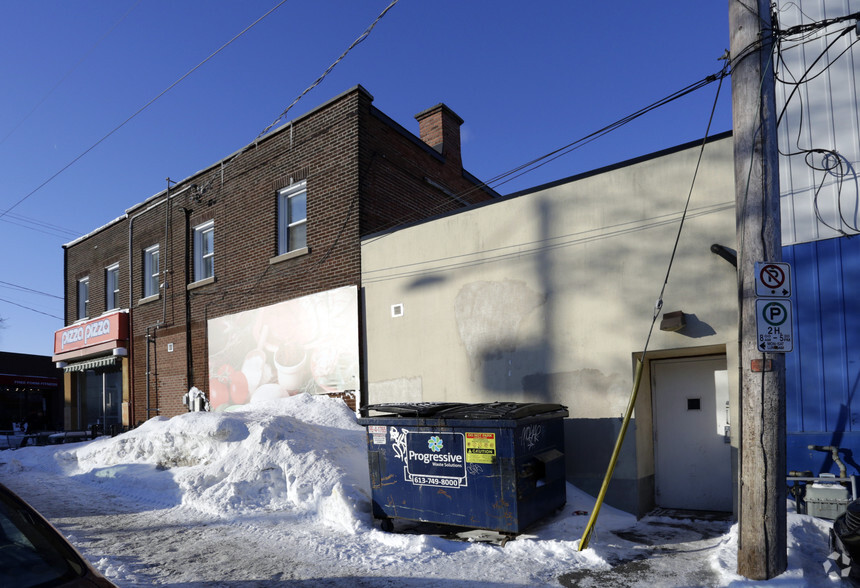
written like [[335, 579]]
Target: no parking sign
[[772, 279]]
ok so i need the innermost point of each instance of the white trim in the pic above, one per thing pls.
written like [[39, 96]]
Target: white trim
[[289, 255], [153, 251], [201, 258], [287, 224], [112, 290]]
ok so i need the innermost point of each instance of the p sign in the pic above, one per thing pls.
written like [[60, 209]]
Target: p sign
[[773, 323]]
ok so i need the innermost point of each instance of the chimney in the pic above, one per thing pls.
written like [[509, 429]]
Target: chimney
[[439, 127]]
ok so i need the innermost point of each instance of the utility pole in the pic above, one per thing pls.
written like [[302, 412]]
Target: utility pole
[[762, 511]]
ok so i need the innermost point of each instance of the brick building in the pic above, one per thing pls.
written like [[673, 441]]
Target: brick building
[[243, 279]]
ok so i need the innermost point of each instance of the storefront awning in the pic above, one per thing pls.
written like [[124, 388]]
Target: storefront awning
[[92, 364]]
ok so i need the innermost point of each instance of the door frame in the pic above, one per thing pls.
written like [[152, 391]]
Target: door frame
[[710, 441], [644, 418]]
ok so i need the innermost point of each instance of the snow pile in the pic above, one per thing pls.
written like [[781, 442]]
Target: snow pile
[[305, 455]]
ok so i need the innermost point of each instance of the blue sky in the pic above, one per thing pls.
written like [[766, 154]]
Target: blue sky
[[527, 78]]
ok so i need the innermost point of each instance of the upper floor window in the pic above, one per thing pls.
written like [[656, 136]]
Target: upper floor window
[[112, 287], [292, 218], [204, 251], [83, 297], [151, 271]]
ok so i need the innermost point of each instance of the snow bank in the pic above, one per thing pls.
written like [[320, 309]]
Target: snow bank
[[303, 455]]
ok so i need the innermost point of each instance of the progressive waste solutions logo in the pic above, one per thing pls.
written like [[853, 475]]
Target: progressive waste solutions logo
[[431, 459], [435, 444]]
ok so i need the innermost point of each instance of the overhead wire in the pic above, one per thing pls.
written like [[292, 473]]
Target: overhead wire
[[833, 164], [31, 309], [329, 69], [30, 290], [541, 160], [140, 110], [316, 83], [39, 226]]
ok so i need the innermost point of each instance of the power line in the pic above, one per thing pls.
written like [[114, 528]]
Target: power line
[[833, 164], [141, 109], [537, 162], [328, 70], [31, 309], [38, 225], [317, 82], [25, 289]]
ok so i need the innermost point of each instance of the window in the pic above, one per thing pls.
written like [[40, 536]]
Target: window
[[112, 287], [292, 218], [204, 251], [151, 271], [83, 297]]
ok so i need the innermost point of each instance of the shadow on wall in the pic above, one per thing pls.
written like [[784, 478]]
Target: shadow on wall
[[588, 447], [495, 351], [696, 329]]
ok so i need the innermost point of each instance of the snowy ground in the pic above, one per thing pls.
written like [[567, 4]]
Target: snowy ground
[[278, 494]]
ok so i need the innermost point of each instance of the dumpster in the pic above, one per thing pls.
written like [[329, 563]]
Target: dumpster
[[497, 466]]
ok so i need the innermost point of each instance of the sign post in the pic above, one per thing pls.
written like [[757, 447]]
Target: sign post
[[762, 538]]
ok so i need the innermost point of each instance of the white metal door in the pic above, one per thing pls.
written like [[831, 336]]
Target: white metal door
[[692, 453]]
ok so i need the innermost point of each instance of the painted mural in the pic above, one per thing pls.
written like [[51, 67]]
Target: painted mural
[[308, 344]]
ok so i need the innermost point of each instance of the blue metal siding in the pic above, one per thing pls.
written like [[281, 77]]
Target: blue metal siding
[[823, 371]]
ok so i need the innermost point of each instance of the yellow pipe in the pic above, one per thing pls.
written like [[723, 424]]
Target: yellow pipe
[[586, 535]]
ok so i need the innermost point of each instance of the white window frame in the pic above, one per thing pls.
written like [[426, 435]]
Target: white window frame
[[112, 286], [151, 271], [289, 226], [204, 261], [83, 297]]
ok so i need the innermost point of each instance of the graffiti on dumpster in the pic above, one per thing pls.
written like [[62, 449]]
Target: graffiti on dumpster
[[431, 459], [531, 436]]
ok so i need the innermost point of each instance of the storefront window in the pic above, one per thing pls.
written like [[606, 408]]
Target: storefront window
[[101, 398]]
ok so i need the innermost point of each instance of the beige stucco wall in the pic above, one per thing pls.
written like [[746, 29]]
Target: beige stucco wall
[[547, 296]]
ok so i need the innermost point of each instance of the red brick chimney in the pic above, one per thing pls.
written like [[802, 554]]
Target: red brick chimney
[[439, 127]]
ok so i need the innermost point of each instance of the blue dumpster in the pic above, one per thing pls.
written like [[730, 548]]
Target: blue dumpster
[[498, 466]]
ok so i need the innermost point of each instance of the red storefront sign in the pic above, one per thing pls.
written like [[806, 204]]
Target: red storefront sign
[[107, 329]]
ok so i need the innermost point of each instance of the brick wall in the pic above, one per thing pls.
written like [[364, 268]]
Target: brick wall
[[363, 173]]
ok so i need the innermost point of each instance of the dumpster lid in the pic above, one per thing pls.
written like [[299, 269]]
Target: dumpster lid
[[499, 410], [460, 410], [416, 409]]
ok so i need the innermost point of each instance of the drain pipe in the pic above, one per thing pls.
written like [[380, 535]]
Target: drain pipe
[[131, 280], [834, 453], [149, 342]]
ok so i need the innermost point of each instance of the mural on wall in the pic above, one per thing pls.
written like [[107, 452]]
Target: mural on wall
[[308, 344]]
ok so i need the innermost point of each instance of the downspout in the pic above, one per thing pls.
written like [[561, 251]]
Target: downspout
[[167, 276], [165, 285], [74, 411], [131, 281], [189, 356]]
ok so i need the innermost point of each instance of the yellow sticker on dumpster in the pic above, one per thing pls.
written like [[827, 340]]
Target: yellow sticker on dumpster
[[480, 447]]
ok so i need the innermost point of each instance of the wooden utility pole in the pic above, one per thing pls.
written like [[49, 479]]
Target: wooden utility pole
[[762, 511]]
